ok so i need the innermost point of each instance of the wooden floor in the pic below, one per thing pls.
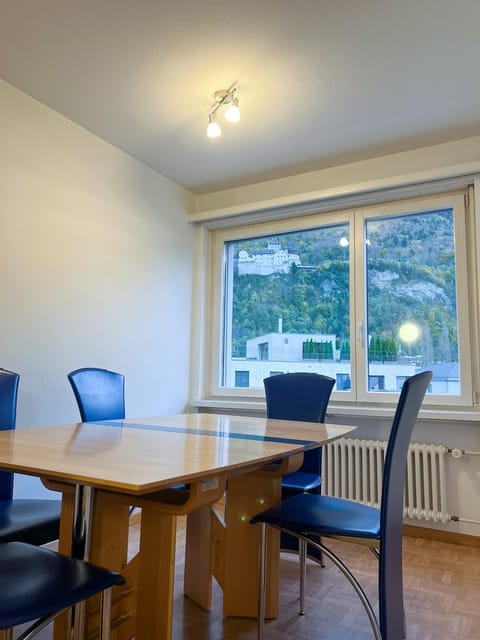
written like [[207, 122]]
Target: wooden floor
[[442, 597]]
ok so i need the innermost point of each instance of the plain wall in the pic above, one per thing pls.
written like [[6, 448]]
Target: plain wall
[[436, 161], [95, 267]]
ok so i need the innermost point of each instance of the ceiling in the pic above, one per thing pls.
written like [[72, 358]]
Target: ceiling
[[320, 82]]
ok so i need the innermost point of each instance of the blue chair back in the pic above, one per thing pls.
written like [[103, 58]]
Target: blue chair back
[[8, 414], [391, 514], [100, 393], [302, 397]]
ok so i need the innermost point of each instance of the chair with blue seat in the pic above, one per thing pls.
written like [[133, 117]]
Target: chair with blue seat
[[301, 397], [37, 585], [100, 393], [26, 520], [308, 516]]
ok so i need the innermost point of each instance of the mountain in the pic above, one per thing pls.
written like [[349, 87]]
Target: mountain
[[410, 273]]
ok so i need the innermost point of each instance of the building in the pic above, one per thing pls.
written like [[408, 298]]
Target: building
[[273, 259], [276, 353]]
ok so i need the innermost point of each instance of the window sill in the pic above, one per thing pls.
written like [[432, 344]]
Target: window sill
[[255, 406]]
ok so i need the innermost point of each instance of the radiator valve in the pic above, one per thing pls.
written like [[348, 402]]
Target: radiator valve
[[456, 453]]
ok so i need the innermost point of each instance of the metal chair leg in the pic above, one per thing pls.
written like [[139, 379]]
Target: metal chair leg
[[262, 575], [302, 552], [105, 614], [350, 577]]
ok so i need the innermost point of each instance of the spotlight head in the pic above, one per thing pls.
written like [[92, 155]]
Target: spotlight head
[[213, 129], [232, 114]]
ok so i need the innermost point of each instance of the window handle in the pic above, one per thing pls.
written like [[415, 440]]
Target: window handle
[[361, 334]]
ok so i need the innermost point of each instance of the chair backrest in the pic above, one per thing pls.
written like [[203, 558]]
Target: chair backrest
[[303, 397], [100, 393], [8, 414], [391, 516]]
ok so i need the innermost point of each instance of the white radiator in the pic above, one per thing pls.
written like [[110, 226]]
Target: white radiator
[[353, 469]]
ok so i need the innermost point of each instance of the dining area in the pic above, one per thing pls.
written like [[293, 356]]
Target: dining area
[[166, 466], [169, 467]]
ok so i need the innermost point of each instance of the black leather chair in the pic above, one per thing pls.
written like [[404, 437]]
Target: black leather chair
[[26, 520], [308, 516], [38, 584], [100, 393], [302, 397]]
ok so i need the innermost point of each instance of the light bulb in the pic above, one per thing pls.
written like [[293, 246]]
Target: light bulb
[[232, 114], [213, 129]]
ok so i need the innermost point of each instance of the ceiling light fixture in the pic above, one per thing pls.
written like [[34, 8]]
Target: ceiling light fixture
[[223, 97]]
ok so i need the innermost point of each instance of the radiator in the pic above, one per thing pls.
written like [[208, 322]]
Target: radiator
[[353, 469]]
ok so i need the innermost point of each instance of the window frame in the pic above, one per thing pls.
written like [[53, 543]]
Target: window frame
[[465, 279], [455, 200]]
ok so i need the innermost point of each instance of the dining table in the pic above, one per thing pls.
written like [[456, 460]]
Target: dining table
[[166, 466]]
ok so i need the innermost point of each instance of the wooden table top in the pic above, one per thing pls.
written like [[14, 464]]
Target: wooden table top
[[143, 455]]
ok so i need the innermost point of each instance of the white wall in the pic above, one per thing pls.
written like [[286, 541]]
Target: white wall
[[436, 161], [95, 267]]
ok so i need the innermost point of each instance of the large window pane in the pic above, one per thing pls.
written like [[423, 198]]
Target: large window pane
[[286, 306], [411, 300]]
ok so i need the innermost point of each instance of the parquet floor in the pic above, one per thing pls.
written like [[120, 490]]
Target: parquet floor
[[442, 597]]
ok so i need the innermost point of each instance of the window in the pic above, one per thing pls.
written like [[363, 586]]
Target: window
[[242, 378], [376, 383], [263, 351], [369, 297], [343, 382]]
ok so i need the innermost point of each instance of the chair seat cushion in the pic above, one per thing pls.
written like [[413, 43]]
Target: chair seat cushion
[[33, 521], [312, 513], [301, 481], [37, 582]]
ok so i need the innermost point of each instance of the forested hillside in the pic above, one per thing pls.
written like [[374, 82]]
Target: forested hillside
[[410, 277]]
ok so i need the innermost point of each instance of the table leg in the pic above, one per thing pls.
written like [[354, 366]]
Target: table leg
[[156, 575], [197, 582], [246, 496]]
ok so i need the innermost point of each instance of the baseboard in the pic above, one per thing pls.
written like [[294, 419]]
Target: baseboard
[[442, 536]]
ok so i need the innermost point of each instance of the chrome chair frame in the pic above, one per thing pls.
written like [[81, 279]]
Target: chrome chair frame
[[308, 516]]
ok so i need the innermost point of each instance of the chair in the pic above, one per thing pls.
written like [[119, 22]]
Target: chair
[[100, 394], [38, 584], [26, 520], [303, 397], [309, 515]]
